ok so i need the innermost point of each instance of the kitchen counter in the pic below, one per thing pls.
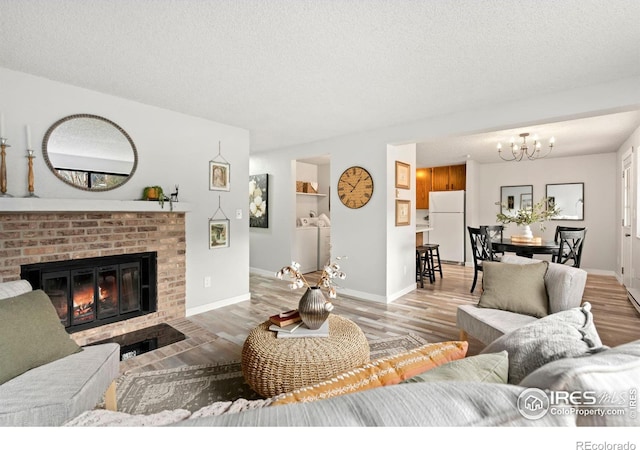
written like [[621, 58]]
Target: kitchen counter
[[422, 228]]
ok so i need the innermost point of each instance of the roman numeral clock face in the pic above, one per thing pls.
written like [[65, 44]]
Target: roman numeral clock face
[[355, 187]]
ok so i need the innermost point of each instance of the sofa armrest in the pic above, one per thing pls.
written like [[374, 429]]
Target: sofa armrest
[[565, 284], [10, 289]]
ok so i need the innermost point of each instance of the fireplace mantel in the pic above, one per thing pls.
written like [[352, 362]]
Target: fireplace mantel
[[14, 204]]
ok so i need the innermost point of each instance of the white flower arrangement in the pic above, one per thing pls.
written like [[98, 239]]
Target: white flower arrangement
[[330, 272], [257, 205], [537, 213]]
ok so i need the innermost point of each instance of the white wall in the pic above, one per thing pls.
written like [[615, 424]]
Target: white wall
[[355, 233], [173, 148], [401, 245], [598, 172], [362, 234]]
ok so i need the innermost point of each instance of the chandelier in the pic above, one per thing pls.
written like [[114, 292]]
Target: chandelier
[[520, 151]]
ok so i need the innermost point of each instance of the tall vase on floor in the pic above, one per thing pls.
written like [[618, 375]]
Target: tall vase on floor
[[314, 308]]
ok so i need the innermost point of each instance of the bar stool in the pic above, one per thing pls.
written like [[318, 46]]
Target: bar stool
[[423, 264], [432, 261]]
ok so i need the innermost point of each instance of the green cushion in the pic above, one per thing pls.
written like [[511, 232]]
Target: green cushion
[[517, 288], [30, 334], [489, 368]]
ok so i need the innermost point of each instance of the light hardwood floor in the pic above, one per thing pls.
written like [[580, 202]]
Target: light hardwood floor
[[430, 312]]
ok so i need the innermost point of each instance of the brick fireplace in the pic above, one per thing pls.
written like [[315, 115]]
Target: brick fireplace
[[37, 237]]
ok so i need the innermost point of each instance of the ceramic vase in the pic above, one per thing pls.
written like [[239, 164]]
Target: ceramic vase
[[314, 308], [525, 231]]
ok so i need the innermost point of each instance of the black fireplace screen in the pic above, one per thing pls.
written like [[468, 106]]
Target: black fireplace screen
[[91, 292]]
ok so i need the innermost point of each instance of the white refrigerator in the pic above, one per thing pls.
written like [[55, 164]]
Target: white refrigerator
[[446, 218]]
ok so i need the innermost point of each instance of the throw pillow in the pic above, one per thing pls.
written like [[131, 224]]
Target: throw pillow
[[560, 335], [380, 372], [30, 334], [517, 288], [612, 374], [489, 368]]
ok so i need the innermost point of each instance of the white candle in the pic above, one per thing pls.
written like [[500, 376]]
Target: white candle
[[2, 125], [28, 133]]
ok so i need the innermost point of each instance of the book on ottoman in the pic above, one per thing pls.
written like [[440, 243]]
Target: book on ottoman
[[285, 318], [302, 332], [287, 328]]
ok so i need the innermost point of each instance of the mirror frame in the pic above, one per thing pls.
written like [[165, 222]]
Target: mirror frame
[[52, 128], [502, 189], [581, 184]]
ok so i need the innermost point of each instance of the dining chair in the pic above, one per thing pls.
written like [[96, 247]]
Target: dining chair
[[571, 243], [494, 232], [481, 249]]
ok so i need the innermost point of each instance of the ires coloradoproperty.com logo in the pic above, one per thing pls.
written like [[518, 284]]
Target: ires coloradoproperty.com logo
[[534, 403]]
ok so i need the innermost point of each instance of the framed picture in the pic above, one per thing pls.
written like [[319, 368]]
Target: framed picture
[[258, 193], [551, 203], [568, 198], [403, 175], [526, 201], [403, 212], [218, 233], [218, 176]]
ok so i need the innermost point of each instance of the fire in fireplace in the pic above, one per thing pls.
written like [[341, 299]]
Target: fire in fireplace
[[92, 292]]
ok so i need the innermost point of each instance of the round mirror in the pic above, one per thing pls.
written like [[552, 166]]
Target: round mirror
[[90, 152]]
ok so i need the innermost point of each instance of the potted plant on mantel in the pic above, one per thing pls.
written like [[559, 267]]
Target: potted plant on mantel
[[154, 193], [538, 213]]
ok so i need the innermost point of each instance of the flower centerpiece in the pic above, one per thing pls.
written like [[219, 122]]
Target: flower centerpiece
[[539, 213], [314, 309]]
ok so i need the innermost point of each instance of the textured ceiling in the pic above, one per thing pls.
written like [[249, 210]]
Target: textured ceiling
[[295, 71]]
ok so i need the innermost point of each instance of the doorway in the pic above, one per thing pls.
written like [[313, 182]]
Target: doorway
[[312, 234], [627, 219]]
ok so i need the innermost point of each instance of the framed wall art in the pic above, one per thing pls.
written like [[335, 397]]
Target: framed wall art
[[219, 176], [258, 193], [568, 198], [403, 212], [218, 233], [526, 201], [403, 175]]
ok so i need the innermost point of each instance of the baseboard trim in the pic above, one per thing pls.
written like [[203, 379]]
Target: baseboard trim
[[362, 295], [609, 273], [634, 297], [218, 304]]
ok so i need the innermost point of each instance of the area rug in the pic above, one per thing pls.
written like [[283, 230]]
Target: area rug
[[193, 387]]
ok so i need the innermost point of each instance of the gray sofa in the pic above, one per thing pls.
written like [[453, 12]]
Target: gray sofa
[[467, 403], [565, 287], [53, 393], [560, 352]]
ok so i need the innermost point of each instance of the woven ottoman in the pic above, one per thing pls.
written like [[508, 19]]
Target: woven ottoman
[[272, 366]]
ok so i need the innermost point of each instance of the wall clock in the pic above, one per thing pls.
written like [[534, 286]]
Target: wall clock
[[355, 187]]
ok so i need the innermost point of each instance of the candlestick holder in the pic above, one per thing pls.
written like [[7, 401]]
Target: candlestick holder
[[31, 157], [3, 168]]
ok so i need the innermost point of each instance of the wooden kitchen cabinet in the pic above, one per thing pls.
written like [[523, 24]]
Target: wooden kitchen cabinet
[[449, 178], [423, 187], [458, 177], [440, 179]]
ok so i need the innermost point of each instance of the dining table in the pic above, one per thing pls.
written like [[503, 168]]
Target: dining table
[[526, 249]]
